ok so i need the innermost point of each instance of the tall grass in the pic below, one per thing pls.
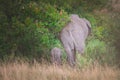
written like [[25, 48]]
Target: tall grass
[[37, 71]]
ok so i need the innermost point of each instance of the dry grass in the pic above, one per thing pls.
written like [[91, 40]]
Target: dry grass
[[25, 71]]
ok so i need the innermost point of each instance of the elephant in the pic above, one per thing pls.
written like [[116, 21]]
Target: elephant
[[56, 55], [73, 37]]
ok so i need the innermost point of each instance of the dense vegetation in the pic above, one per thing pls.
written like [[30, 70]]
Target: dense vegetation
[[30, 28]]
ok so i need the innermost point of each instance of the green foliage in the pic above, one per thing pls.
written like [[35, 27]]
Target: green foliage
[[30, 28], [33, 32], [99, 51]]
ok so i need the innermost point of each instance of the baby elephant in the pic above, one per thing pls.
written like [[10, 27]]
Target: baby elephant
[[56, 55]]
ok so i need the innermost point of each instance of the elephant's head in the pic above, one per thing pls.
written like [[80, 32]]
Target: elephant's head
[[75, 18]]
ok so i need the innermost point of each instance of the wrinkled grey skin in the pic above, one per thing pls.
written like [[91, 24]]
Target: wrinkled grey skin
[[73, 37], [56, 55]]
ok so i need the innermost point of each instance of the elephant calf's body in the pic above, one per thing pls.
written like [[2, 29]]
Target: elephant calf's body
[[56, 55]]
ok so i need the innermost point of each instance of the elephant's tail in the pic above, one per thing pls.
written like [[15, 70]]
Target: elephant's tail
[[73, 40]]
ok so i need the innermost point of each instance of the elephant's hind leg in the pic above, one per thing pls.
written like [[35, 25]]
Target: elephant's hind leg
[[70, 57]]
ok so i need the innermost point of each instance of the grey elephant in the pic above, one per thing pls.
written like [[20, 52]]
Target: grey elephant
[[73, 37], [56, 55]]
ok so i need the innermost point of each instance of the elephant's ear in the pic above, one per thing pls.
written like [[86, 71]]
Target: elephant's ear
[[88, 25]]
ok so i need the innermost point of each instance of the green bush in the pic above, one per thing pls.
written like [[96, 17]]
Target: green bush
[[30, 28], [97, 51], [34, 31]]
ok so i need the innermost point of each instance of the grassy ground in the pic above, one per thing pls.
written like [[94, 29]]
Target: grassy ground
[[37, 71]]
